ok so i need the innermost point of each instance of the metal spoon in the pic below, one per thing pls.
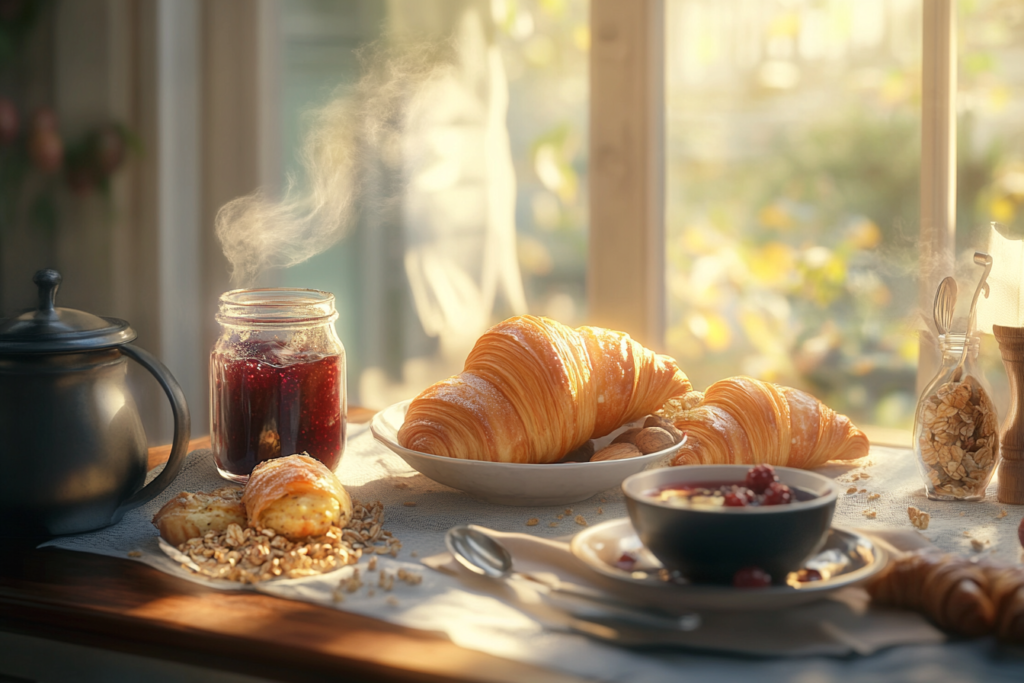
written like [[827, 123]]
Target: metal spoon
[[945, 304], [483, 555], [982, 259]]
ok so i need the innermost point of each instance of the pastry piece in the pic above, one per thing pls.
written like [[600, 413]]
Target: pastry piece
[[533, 390], [746, 421], [192, 515], [965, 597], [296, 496]]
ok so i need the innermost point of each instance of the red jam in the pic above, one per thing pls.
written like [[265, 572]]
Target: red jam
[[264, 409]]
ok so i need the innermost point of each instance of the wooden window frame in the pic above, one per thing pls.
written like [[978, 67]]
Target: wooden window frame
[[626, 269]]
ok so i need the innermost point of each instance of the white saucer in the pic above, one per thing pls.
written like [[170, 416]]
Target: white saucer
[[847, 558], [516, 483]]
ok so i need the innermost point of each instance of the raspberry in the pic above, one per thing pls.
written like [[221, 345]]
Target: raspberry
[[751, 577], [777, 494], [735, 499], [759, 477]]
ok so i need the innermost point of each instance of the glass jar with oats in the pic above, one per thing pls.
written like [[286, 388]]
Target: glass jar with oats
[[956, 431]]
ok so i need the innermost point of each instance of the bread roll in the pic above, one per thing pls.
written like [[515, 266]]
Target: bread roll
[[190, 515], [296, 496]]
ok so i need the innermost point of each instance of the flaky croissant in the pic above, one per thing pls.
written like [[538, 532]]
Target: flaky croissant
[[968, 598], [533, 389], [746, 421], [296, 496]]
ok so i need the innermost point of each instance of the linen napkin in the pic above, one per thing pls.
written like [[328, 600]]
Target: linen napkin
[[841, 624]]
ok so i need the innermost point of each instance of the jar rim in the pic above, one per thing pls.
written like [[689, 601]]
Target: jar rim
[[276, 306]]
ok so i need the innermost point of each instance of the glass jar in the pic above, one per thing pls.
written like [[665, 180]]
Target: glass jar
[[277, 380], [956, 433]]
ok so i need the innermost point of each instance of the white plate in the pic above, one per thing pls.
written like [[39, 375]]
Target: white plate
[[846, 559], [515, 483]]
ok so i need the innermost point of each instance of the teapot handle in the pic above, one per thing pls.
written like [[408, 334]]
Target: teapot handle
[[182, 430]]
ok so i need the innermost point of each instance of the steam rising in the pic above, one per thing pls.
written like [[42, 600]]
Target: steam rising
[[358, 124]]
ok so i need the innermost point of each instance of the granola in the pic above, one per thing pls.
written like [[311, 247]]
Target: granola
[[918, 518], [959, 439], [253, 555]]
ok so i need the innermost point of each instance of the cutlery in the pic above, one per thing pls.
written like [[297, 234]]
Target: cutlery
[[982, 259], [484, 555], [945, 303]]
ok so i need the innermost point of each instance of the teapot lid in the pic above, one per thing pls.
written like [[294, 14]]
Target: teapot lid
[[48, 329]]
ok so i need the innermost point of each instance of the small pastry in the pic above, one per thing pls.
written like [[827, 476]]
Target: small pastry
[[190, 515], [296, 496]]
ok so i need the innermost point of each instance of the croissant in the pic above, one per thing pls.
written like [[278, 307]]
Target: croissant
[[189, 515], [296, 496], [968, 598], [533, 390], [746, 421]]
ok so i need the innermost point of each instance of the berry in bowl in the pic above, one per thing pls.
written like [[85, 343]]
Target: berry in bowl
[[731, 524]]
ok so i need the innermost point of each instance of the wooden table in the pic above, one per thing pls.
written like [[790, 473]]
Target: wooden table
[[123, 606]]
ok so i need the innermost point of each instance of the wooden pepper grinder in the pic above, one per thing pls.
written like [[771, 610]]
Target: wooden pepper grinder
[[1011, 438]]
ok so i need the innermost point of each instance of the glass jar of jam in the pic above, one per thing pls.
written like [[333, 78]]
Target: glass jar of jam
[[277, 380]]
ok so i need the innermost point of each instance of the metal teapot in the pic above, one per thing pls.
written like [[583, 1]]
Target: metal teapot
[[73, 454]]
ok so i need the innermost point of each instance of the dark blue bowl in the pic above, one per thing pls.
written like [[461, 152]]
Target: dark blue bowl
[[711, 545]]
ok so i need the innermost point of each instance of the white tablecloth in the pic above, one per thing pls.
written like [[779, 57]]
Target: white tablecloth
[[419, 511]]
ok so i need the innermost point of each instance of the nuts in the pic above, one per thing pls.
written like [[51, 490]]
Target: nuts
[[917, 518], [654, 439], [616, 451], [666, 424], [581, 454], [628, 436], [959, 440]]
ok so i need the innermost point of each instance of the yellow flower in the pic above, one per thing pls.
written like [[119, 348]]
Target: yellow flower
[[865, 234]]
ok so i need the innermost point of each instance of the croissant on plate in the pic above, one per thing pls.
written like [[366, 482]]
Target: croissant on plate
[[969, 598], [745, 421], [533, 390]]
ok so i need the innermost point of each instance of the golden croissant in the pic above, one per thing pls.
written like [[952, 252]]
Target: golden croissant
[[968, 598], [533, 389], [745, 421]]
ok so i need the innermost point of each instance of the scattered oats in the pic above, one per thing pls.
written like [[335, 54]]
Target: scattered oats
[[372, 564], [967, 534], [559, 516], [252, 555], [852, 489], [862, 491], [855, 477], [961, 514], [370, 592], [410, 578], [393, 601], [532, 521], [134, 553], [580, 520], [568, 511], [977, 545], [409, 503], [865, 475], [600, 511], [401, 485], [337, 596], [386, 581], [1002, 513], [870, 514], [552, 523], [918, 518], [874, 496], [603, 499]]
